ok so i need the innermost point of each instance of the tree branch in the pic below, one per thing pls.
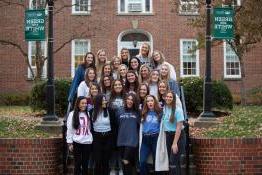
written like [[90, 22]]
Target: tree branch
[[4, 42], [9, 3], [63, 45]]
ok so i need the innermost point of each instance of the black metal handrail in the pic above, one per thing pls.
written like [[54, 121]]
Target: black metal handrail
[[65, 148], [186, 125]]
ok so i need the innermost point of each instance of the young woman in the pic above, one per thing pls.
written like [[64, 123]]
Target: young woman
[[173, 126], [132, 82], [116, 104], [83, 88], [106, 83], [116, 101], [158, 59], [115, 63], [122, 71], [127, 139], [153, 82], [134, 64], [124, 55], [107, 70], [103, 129], [144, 73], [165, 75], [162, 90], [94, 91], [149, 130], [79, 138], [144, 55], [101, 60], [80, 75], [143, 91]]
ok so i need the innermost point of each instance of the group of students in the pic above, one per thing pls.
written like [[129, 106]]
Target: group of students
[[127, 105]]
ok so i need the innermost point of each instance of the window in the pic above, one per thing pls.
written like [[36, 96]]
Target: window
[[81, 7], [189, 56], [134, 6], [36, 4], [32, 57], [79, 49], [231, 63], [188, 7]]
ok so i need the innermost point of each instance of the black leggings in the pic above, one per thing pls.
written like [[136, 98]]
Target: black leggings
[[102, 147], [81, 158], [174, 159], [129, 154]]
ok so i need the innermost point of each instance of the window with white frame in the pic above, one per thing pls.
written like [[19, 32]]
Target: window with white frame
[[188, 7], [135, 6], [79, 49], [81, 7], [32, 57], [36, 4], [189, 58], [231, 63]]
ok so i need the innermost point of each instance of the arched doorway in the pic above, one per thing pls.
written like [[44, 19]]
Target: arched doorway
[[133, 39]]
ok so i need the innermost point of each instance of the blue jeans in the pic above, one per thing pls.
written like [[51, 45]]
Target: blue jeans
[[148, 146]]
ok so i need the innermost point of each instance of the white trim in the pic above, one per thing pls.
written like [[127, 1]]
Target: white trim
[[143, 11], [129, 45], [193, 12], [73, 53], [225, 64], [44, 73], [181, 59], [88, 12]]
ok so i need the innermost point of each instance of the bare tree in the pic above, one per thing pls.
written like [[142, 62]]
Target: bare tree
[[247, 29], [19, 44]]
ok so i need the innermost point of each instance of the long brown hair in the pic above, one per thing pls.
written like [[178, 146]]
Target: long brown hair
[[157, 108], [173, 107]]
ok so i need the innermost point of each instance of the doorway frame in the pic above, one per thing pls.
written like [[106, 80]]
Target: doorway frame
[[129, 44]]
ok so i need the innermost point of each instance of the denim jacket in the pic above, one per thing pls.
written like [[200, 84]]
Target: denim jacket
[[78, 78]]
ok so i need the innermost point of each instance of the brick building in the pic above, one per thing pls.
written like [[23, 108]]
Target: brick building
[[95, 24]]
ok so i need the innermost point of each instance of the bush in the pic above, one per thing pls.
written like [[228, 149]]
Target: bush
[[38, 97], [222, 98], [193, 91], [15, 99]]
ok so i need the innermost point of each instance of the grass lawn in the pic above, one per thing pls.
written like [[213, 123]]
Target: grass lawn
[[17, 111], [242, 122], [20, 122]]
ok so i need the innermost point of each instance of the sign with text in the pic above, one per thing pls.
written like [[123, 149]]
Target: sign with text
[[223, 23], [35, 25]]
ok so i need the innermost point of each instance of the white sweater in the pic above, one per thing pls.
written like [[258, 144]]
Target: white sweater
[[81, 135], [83, 89]]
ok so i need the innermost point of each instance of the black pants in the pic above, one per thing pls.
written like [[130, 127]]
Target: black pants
[[129, 154], [81, 158], [102, 148], [174, 159]]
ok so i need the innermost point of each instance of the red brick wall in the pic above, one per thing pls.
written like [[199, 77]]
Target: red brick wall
[[103, 27], [30, 156], [228, 156]]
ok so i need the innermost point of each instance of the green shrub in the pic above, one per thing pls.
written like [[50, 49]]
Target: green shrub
[[193, 91], [38, 97], [222, 98], [17, 99]]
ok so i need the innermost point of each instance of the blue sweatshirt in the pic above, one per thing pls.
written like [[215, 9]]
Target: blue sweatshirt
[[128, 128], [151, 124]]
